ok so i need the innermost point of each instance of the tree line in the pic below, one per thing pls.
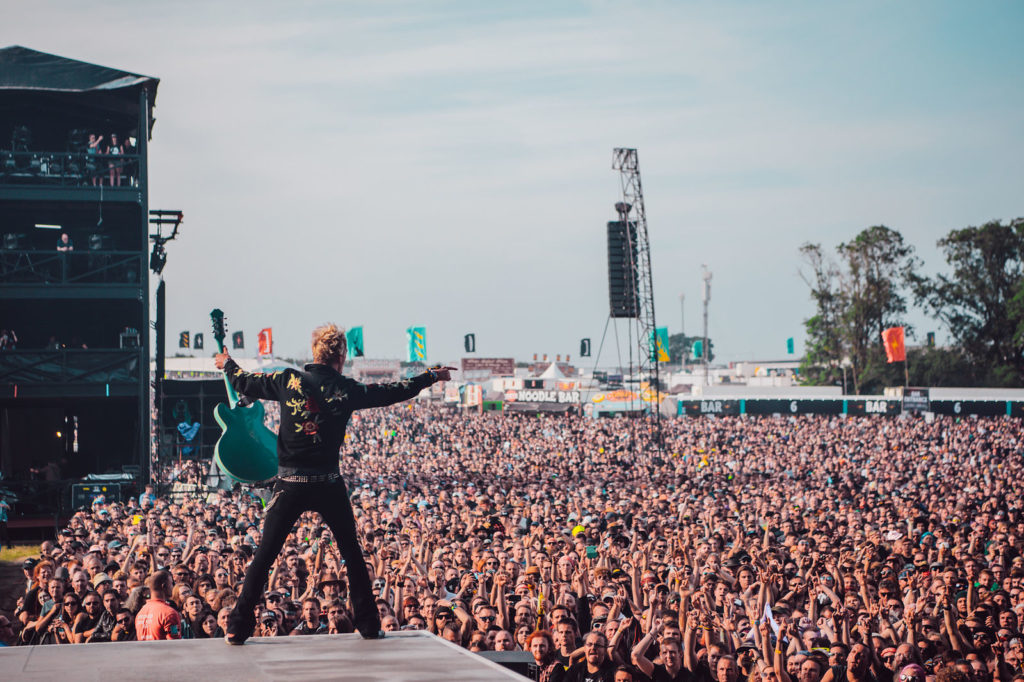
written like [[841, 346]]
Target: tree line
[[871, 282]]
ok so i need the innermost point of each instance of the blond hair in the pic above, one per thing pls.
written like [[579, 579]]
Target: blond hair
[[329, 344]]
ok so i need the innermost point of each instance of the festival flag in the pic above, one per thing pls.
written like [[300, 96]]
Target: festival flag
[[354, 340], [238, 340], [265, 341], [417, 343], [183, 339], [659, 345], [790, 345], [895, 350], [197, 341]]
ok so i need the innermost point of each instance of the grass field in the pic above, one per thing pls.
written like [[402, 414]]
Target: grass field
[[18, 553], [12, 580]]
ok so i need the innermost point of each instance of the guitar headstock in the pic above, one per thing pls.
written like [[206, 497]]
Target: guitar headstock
[[219, 329]]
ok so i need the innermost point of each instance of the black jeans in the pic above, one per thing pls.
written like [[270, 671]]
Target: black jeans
[[330, 500]]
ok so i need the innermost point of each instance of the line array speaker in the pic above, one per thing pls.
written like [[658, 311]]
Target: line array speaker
[[623, 296]]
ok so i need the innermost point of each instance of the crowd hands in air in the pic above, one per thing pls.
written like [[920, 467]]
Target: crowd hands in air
[[883, 550]]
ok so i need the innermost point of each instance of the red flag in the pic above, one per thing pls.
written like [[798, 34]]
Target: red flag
[[895, 350], [266, 341]]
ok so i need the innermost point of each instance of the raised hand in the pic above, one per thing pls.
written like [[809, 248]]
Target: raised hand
[[443, 373]]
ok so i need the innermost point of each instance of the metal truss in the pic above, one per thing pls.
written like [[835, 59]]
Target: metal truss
[[631, 210]]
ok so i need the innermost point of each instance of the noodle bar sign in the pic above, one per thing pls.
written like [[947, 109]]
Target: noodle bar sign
[[542, 396]]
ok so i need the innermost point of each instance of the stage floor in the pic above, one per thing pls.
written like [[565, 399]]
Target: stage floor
[[400, 657]]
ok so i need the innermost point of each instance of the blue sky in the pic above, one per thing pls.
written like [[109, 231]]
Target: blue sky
[[448, 164]]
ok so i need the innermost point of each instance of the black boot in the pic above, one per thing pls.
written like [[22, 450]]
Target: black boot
[[240, 627]]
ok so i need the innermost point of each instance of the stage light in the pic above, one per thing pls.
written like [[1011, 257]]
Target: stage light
[[21, 138], [60, 434], [48, 226], [157, 259], [78, 141]]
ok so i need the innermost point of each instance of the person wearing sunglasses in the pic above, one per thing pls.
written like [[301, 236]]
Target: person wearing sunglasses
[[124, 627], [912, 673]]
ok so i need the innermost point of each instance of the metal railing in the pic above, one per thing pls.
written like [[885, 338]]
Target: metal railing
[[35, 498], [69, 365], [68, 169], [30, 266]]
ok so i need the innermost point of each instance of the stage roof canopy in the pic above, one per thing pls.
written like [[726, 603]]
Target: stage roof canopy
[[33, 75]]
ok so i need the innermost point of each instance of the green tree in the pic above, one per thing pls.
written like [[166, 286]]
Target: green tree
[[981, 302], [823, 357], [680, 349], [856, 297], [941, 367]]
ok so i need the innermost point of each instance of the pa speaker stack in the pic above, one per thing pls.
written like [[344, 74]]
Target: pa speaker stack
[[623, 298]]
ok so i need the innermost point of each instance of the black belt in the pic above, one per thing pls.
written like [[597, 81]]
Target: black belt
[[310, 478]]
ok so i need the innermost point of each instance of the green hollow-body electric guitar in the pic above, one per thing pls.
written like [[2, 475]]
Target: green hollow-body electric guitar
[[246, 450]]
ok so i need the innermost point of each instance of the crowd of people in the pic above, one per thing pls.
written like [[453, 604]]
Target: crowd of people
[[800, 549]]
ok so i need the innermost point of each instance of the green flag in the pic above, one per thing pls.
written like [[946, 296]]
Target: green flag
[[354, 339], [790, 346], [417, 343], [659, 345]]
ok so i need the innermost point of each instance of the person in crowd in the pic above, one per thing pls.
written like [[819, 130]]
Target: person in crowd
[[7, 637], [8, 340], [310, 624], [87, 620], [115, 150], [5, 510], [124, 628], [157, 620], [320, 402], [147, 498], [772, 550], [542, 646], [64, 243], [92, 150], [595, 666]]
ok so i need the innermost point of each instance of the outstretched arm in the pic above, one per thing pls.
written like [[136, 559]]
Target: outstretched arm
[[252, 384], [361, 396]]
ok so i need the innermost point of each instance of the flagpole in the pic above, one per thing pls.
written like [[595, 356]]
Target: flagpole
[[906, 365]]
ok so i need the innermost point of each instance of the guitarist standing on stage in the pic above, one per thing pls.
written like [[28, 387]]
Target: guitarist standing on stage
[[315, 408]]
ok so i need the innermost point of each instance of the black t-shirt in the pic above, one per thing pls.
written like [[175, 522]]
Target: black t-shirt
[[704, 673], [579, 673], [661, 674]]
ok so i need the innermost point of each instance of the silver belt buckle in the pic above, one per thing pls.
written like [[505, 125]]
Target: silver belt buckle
[[315, 478]]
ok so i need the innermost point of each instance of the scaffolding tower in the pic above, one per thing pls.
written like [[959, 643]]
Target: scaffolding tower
[[631, 211]]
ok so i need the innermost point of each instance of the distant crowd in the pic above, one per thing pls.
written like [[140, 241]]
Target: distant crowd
[[799, 549]]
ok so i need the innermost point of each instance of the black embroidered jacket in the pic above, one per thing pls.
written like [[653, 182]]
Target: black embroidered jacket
[[309, 440]]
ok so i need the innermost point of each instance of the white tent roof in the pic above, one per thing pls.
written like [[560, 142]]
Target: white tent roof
[[552, 372]]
